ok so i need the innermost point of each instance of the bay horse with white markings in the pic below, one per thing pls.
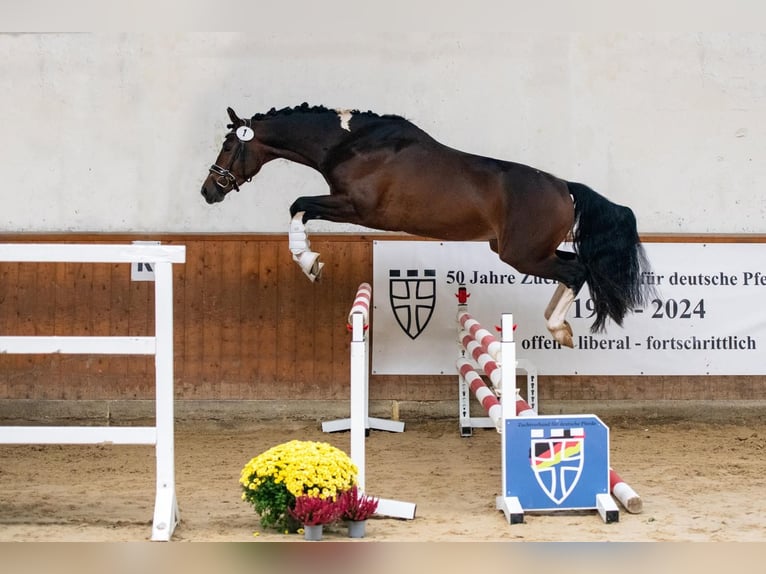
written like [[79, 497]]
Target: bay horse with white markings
[[385, 173]]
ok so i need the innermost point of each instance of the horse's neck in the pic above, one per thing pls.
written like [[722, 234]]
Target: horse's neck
[[306, 142]]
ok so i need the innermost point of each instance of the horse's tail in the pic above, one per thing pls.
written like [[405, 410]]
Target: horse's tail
[[607, 243]]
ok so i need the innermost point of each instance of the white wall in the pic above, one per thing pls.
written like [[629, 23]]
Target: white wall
[[115, 132]]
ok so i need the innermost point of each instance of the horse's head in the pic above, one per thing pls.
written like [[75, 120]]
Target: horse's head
[[240, 158]]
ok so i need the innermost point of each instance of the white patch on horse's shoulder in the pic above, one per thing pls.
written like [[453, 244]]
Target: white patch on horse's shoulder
[[345, 118]]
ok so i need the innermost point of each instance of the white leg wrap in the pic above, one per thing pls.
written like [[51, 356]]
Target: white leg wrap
[[298, 240], [299, 245]]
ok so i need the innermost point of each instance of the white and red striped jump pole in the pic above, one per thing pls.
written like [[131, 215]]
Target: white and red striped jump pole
[[522, 407], [624, 493], [487, 340], [482, 392], [361, 303], [487, 398], [484, 359]]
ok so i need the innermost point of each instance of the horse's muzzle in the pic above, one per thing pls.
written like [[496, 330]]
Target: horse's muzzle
[[212, 194]]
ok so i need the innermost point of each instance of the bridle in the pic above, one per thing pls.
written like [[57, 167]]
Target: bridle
[[224, 178]]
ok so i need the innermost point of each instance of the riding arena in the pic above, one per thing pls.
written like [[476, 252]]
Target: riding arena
[[505, 354]]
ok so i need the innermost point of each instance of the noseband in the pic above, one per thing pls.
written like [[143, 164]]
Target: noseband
[[225, 178]]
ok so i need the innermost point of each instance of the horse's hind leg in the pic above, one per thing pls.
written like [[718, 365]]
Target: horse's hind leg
[[556, 315], [570, 274], [554, 300], [300, 247]]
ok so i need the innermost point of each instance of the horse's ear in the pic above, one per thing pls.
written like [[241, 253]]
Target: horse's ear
[[233, 117]]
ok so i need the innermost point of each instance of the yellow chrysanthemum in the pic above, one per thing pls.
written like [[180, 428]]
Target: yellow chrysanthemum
[[299, 468]]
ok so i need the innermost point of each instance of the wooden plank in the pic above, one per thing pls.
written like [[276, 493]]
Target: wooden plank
[[268, 317], [64, 321], [26, 311], [303, 313], [9, 281], [42, 311], [119, 314], [344, 290], [45, 296], [248, 316], [190, 368], [140, 323], [325, 326], [213, 277], [99, 326], [286, 325], [79, 315], [229, 315]]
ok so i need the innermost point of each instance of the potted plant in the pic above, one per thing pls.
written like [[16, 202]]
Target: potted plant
[[356, 509], [314, 512], [274, 480]]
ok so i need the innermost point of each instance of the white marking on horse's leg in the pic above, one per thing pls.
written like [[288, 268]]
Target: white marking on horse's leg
[[554, 300], [299, 245], [345, 118], [557, 323]]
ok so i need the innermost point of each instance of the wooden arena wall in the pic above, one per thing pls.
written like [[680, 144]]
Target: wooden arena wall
[[248, 325]]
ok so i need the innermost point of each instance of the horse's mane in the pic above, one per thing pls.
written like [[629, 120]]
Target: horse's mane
[[304, 108]]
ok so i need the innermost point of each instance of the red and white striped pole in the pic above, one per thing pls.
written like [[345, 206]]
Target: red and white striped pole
[[482, 392], [485, 361], [361, 303], [624, 493], [486, 339], [523, 409]]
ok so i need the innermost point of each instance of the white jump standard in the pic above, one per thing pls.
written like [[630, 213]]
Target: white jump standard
[[549, 463], [161, 346], [360, 421], [360, 380]]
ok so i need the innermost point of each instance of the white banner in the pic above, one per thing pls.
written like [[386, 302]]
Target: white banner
[[708, 317]]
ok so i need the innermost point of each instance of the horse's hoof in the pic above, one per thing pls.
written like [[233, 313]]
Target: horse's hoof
[[564, 336], [315, 272], [310, 264]]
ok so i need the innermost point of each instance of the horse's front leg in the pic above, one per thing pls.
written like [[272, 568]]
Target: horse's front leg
[[335, 208], [301, 248]]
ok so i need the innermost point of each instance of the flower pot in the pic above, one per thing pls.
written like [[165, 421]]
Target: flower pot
[[312, 532], [356, 528]]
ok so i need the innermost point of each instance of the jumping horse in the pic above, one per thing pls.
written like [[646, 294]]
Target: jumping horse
[[385, 173]]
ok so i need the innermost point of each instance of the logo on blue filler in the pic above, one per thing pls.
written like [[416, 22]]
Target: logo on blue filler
[[413, 298], [557, 456], [555, 462]]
